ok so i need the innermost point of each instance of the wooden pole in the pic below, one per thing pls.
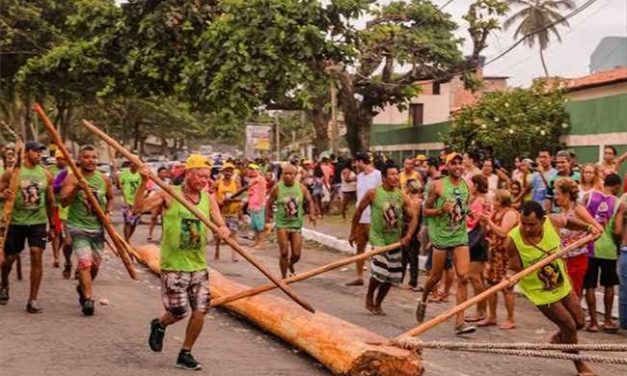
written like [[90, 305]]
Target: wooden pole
[[7, 209], [508, 281], [305, 275], [177, 196], [93, 201]]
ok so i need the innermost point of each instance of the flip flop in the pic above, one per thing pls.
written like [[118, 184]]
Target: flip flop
[[610, 329], [485, 322], [474, 318]]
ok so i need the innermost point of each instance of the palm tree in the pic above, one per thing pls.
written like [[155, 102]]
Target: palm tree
[[534, 17]]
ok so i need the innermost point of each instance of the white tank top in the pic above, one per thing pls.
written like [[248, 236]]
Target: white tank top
[[349, 186], [364, 184]]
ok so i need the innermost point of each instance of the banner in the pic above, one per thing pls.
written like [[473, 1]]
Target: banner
[[258, 138]]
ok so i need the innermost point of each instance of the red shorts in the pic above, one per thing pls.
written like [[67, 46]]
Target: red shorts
[[577, 267], [56, 221]]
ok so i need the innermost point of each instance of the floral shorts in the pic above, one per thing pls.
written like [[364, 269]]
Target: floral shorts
[[87, 245], [182, 290]]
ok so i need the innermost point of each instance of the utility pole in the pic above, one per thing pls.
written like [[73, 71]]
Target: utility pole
[[334, 130], [277, 130]]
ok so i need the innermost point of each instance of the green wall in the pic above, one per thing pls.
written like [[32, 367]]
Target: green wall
[[600, 115], [406, 135]]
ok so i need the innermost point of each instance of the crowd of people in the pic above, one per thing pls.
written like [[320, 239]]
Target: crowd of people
[[475, 222]]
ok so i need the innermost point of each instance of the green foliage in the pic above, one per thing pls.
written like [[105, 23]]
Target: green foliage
[[515, 122]]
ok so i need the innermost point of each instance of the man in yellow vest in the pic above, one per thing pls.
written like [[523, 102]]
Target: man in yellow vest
[[549, 288]]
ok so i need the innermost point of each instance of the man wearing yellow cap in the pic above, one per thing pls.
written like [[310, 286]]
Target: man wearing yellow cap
[[230, 207], [184, 273], [446, 209], [58, 213]]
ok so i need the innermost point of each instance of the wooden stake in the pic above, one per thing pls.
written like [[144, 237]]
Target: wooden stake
[[305, 275], [508, 281], [93, 201], [178, 197], [7, 210]]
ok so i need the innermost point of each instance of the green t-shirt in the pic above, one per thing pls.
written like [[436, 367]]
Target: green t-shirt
[[551, 283], [30, 200], [450, 230], [289, 206], [129, 182], [386, 221], [81, 215], [184, 237]]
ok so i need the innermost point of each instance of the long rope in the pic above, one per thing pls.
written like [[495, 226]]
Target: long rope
[[537, 350], [416, 344]]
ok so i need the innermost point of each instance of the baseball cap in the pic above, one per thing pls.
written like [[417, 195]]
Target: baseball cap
[[227, 165], [34, 145], [452, 156], [253, 166], [196, 161], [421, 157], [58, 154]]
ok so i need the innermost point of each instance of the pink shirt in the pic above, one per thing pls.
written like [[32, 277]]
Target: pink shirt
[[257, 194]]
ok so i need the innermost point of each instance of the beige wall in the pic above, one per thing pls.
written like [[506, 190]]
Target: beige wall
[[598, 92], [436, 107]]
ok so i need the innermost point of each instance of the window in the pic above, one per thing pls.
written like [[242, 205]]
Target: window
[[436, 88], [416, 114]]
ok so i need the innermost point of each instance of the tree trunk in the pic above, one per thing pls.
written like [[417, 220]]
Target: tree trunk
[[358, 124], [546, 71], [320, 120]]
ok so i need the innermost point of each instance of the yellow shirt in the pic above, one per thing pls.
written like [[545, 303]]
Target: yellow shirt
[[224, 191], [404, 177]]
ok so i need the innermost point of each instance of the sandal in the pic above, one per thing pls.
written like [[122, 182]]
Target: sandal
[[610, 328], [507, 325], [592, 328], [67, 271], [421, 310], [486, 322], [475, 318]]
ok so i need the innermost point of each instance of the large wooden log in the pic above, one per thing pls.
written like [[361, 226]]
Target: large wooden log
[[344, 348]]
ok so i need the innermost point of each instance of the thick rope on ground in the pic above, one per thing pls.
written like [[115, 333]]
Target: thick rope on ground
[[522, 349], [416, 344]]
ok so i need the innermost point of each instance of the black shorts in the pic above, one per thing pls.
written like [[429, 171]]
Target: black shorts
[[609, 276], [18, 234], [479, 253]]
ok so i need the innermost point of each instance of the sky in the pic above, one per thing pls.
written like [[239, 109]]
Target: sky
[[571, 58]]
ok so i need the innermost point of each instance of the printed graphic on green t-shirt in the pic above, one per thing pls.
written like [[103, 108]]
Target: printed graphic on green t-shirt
[[191, 236]]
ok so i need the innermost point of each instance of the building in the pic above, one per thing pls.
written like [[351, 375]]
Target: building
[[436, 102], [610, 53]]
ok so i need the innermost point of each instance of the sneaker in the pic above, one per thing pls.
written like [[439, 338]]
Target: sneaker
[[464, 329], [4, 296], [88, 307], [157, 332], [187, 361], [33, 307], [81, 296]]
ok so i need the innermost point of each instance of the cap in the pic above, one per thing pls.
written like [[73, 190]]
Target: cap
[[528, 161], [34, 145], [452, 156], [227, 165], [196, 161], [421, 157], [253, 166], [58, 154]]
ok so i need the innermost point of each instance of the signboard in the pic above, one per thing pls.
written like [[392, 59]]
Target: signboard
[[258, 138]]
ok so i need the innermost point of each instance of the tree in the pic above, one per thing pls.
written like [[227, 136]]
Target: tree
[[530, 119], [533, 20], [284, 54]]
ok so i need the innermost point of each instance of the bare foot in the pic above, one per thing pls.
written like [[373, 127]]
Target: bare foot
[[370, 307], [507, 325], [487, 322], [379, 311], [556, 338], [592, 328], [584, 370]]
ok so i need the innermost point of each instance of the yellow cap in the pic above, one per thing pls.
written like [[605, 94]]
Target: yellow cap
[[196, 161], [253, 166], [452, 156], [421, 157], [58, 154], [227, 165]]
